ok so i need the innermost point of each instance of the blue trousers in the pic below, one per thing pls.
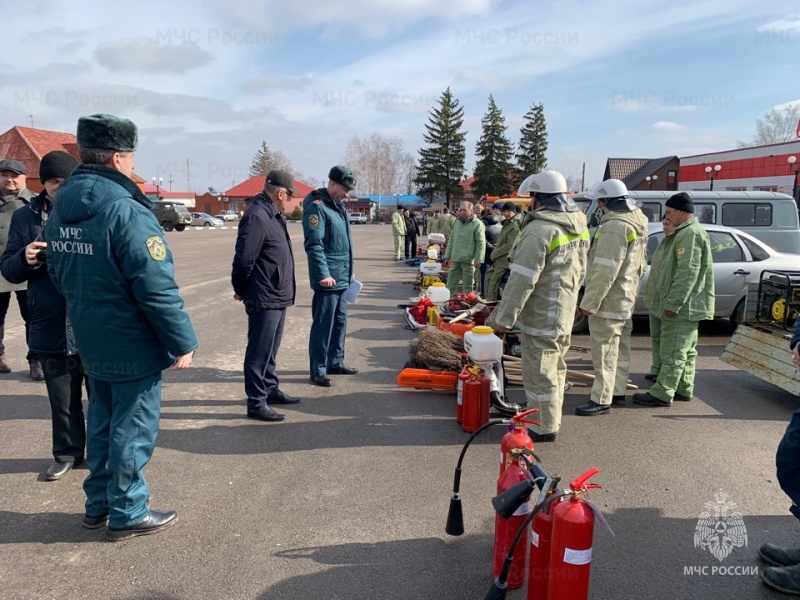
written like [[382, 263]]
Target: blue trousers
[[787, 460], [121, 430], [328, 327], [264, 333]]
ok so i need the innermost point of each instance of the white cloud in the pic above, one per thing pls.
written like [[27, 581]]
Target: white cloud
[[787, 24], [146, 55], [666, 126]]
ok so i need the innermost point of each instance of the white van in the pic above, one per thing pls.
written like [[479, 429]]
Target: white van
[[767, 216]]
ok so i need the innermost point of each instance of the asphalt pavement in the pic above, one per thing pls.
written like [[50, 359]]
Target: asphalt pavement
[[347, 498]]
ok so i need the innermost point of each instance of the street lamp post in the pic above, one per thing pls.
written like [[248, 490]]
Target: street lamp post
[[159, 183], [712, 174], [651, 180], [792, 160]]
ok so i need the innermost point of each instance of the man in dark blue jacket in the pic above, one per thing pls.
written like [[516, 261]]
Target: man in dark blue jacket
[[263, 279], [50, 335], [329, 248], [106, 255]]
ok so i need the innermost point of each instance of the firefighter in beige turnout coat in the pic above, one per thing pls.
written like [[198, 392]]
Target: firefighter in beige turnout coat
[[617, 261], [548, 265]]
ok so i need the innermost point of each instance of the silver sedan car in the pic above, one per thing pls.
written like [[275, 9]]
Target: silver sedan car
[[738, 257], [205, 220]]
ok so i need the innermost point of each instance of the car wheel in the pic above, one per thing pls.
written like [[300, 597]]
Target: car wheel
[[206, 224], [168, 226], [180, 227], [737, 317]]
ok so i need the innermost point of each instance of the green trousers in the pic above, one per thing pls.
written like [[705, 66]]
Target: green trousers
[[544, 373], [494, 276], [655, 344], [611, 356], [461, 272], [678, 349]]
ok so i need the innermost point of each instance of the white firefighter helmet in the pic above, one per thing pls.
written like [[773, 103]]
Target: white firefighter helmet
[[546, 182], [610, 188]]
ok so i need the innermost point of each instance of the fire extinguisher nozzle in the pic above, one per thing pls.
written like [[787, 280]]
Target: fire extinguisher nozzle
[[507, 503], [497, 591], [455, 518]]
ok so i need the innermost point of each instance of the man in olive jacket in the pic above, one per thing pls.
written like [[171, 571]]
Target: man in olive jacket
[[465, 250], [505, 241], [684, 297], [106, 256], [329, 248]]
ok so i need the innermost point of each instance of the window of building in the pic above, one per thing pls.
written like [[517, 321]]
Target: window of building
[[736, 189], [765, 188], [746, 214], [672, 176]]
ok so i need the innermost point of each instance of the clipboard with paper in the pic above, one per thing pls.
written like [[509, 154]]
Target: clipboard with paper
[[351, 295]]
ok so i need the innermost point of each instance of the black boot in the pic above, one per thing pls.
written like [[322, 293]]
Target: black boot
[[783, 579]]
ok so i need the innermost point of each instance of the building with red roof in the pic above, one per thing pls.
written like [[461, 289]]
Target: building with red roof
[[29, 145], [234, 197]]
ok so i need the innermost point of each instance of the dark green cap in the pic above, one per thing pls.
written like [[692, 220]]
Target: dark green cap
[[107, 132], [344, 176]]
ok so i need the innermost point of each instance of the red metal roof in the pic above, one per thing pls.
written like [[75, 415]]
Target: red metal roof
[[255, 185]]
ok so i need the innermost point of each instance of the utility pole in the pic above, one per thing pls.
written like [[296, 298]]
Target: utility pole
[[583, 177], [188, 177], [31, 118], [169, 181]]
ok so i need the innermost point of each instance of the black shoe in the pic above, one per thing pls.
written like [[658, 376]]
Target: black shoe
[[647, 400], [780, 557], [651, 377], [321, 381], [783, 579], [95, 522], [343, 370], [280, 398], [36, 370], [618, 400], [155, 522], [265, 413], [505, 408], [542, 437], [592, 408], [58, 469], [680, 398]]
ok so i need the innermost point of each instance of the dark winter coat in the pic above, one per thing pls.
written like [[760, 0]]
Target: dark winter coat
[[412, 227], [50, 332], [263, 266], [106, 255], [8, 205], [328, 244], [493, 229]]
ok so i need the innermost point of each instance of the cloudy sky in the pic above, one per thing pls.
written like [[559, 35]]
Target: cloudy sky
[[208, 81]]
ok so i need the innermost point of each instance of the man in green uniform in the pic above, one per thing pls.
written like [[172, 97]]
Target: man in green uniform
[[399, 231], [433, 223], [617, 260], [650, 288], [548, 265], [505, 241], [446, 223], [106, 256], [465, 250], [684, 297]]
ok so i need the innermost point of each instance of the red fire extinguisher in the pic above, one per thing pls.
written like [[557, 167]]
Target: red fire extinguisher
[[475, 400], [463, 377], [517, 437], [571, 543], [539, 561], [506, 529]]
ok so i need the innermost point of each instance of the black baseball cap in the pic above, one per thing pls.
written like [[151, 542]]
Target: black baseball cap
[[282, 179]]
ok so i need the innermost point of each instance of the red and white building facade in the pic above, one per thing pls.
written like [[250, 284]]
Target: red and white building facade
[[767, 168]]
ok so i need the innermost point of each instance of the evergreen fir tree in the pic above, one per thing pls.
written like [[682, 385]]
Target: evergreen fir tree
[[532, 154], [265, 160], [493, 152], [441, 164]]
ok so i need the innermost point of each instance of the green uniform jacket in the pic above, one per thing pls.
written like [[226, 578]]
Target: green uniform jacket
[[328, 244], [398, 223], [107, 257], [651, 285], [505, 241], [467, 243], [617, 261], [686, 284], [446, 224], [547, 272], [433, 225]]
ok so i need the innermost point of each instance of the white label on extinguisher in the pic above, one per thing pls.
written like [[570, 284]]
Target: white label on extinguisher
[[501, 458], [460, 392], [524, 509], [577, 557], [534, 538]]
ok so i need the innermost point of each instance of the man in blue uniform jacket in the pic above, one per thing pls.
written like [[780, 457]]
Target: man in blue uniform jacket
[[329, 248], [106, 256]]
